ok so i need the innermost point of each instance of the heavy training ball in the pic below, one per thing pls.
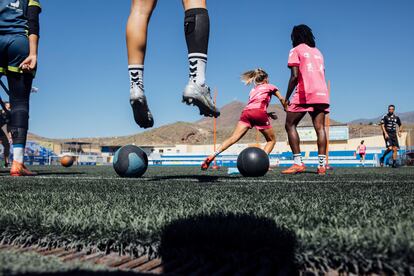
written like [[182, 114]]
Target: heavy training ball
[[130, 161], [253, 162], [67, 161]]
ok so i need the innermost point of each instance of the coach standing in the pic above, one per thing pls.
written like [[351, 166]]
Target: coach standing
[[390, 123]]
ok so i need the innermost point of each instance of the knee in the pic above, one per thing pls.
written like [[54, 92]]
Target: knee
[[289, 126], [319, 128], [19, 114], [142, 8]]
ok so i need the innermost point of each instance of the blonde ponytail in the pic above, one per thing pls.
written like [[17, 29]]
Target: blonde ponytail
[[256, 76]]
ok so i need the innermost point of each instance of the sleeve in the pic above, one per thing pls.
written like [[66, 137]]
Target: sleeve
[[398, 121], [382, 120], [293, 58], [272, 88], [33, 12]]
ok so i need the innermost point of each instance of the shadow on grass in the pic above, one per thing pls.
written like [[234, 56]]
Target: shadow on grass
[[44, 173], [82, 273], [199, 178], [228, 244]]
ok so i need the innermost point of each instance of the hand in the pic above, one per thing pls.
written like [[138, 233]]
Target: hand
[[29, 64], [399, 134], [286, 104], [272, 115], [386, 136]]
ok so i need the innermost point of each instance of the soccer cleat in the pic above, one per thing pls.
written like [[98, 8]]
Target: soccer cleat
[[138, 101], [295, 169], [207, 163], [19, 169], [382, 162], [321, 171], [199, 95]]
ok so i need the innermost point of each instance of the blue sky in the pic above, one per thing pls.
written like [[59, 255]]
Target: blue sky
[[83, 77]]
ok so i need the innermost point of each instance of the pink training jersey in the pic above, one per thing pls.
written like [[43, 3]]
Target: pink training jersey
[[259, 97], [362, 149], [311, 88]]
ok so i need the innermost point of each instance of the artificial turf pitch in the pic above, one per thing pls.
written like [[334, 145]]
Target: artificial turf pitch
[[356, 220]]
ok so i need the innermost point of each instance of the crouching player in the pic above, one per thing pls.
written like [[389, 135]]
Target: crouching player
[[5, 137], [254, 114], [19, 36], [308, 76]]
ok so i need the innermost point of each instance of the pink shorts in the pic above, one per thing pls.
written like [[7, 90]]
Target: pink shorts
[[298, 108], [257, 118]]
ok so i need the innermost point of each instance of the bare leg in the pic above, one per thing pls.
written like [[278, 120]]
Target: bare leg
[[238, 133], [318, 120], [136, 30], [269, 134], [292, 121], [193, 4]]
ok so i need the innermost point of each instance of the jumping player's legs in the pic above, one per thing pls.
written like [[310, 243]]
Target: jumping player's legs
[[4, 140], [136, 37], [270, 137], [197, 32], [318, 120], [238, 133]]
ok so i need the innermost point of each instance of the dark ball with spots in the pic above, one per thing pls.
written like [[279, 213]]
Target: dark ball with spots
[[253, 162], [130, 161]]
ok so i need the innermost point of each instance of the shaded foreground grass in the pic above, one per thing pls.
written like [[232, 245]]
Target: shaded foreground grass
[[353, 220]]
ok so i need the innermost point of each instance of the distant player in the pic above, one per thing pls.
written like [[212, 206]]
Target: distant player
[[254, 114], [19, 37], [5, 137], [390, 126], [197, 30], [362, 151], [307, 68]]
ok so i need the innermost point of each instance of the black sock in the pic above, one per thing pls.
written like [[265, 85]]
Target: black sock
[[386, 153], [197, 31]]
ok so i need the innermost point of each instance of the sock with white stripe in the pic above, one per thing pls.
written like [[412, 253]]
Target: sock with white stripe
[[136, 77], [297, 159], [18, 153], [322, 160], [197, 66]]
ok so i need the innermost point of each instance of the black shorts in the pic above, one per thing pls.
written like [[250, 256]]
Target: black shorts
[[392, 140], [361, 155]]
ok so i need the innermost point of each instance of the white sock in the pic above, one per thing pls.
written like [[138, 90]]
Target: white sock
[[18, 153], [322, 160], [198, 63], [136, 77], [297, 158]]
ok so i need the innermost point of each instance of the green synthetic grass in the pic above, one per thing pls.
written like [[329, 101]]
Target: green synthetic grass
[[353, 220]]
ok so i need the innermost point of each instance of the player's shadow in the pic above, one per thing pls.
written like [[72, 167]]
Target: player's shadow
[[227, 244]]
